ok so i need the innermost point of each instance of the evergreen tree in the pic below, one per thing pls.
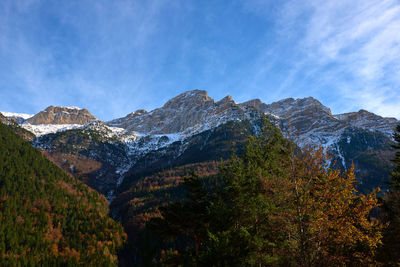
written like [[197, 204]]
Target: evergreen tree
[[185, 220], [389, 253], [395, 175]]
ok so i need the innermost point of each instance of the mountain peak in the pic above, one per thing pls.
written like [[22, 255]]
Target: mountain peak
[[62, 115], [194, 97], [226, 99], [289, 104]]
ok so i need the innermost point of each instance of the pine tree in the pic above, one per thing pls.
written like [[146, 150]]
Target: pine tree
[[255, 189], [389, 253], [187, 220], [395, 175]]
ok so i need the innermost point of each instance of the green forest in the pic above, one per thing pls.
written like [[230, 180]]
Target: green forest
[[49, 218]]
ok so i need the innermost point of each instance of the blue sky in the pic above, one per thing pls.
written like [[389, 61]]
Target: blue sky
[[114, 57]]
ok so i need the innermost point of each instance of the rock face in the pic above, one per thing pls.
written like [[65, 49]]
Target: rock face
[[367, 120], [187, 113], [192, 127], [3, 119], [62, 115], [307, 121]]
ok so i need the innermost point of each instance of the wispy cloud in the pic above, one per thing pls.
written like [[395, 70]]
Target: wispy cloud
[[113, 57], [78, 53], [360, 43]]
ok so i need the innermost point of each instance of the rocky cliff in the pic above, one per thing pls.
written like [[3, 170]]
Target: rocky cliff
[[193, 127], [61, 115]]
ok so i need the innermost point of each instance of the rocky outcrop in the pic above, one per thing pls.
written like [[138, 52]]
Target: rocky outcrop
[[62, 115], [308, 121], [367, 120], [187, 113], [193, 127], [3, 119]]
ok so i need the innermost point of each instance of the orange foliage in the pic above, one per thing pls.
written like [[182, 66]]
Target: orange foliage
[[332, 219]]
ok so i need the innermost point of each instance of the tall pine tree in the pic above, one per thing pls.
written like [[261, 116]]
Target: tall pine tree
[[390, 251], [395, 175]]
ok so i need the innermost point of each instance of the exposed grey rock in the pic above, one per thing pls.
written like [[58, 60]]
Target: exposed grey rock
[[368, 120], [187, 113]]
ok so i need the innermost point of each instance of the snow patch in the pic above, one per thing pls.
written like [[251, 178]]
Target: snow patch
[[43, 129], [73, 107], [18, 115]]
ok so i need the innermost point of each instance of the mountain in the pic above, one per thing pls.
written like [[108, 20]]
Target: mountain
[[61, 115], [138, 161], [186, 114], [193, 127], [49, 218], [360, 138], [12, 120]]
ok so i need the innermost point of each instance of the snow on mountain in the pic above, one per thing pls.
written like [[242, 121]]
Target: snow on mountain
[[17, 115], [305, 120], [369, 121], [73, 107], [308, 122], [186, 114], [43, 129], [124, 141]]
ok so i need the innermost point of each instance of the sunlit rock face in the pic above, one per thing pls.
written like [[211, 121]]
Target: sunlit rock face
[[62, 115], [192, 127], [190, 112]]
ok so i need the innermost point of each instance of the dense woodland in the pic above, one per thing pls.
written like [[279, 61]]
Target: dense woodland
[[49, 218]]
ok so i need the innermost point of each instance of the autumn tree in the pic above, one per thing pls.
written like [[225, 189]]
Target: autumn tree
[[332, 222]]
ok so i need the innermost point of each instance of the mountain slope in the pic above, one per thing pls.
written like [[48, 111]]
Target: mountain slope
[[12, 123], [47, 217]]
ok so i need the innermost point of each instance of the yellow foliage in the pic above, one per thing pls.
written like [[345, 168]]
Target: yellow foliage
[[332, 220]]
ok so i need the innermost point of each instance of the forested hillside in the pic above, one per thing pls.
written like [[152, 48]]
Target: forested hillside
[[271, 205], [48, 217]]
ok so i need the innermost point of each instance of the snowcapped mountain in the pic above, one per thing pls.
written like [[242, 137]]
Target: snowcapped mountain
[[193, 127], [307, 121], [17, 117]]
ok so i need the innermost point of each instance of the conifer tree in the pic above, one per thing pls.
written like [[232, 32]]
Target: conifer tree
[[389, 253], [395, 175]]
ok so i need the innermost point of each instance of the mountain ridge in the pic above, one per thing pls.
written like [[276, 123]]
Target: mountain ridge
[[188, 122], [194, 101]]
